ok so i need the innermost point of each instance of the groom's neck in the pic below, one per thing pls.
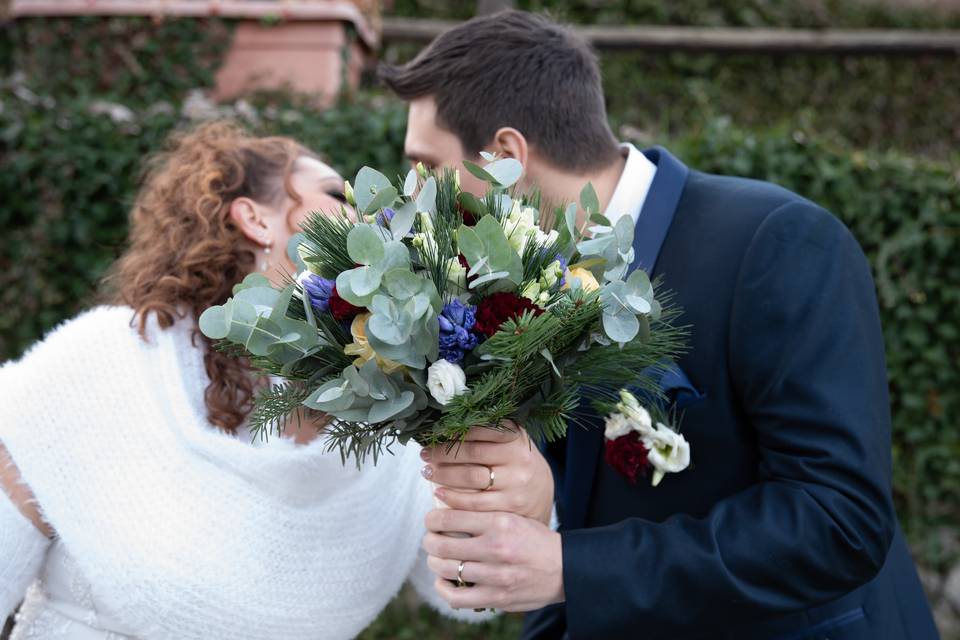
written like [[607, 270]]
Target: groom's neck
[[559, 186]]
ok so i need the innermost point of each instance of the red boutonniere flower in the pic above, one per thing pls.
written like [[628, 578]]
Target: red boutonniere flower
[[633, 444]]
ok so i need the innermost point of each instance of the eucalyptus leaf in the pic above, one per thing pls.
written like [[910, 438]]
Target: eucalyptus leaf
[[345, 290], [384, 198], [589, 200], [621, 327], [403, 219], [364, 280], [366, 186], [479, 172], [213, 323], [293, 251], [505, 171], [472, 204], [410, 184], [386, 409], [365, 244], [427, 198], [402, 283]]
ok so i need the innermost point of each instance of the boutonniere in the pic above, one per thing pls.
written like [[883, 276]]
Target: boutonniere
[[633, 445]]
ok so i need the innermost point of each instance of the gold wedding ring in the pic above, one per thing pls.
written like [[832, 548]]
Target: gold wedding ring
[[460, 582], [492, 477]]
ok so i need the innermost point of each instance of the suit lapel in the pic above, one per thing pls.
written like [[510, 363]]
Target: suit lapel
[[584, 445]]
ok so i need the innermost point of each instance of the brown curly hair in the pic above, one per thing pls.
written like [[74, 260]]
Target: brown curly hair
[[185, 253]]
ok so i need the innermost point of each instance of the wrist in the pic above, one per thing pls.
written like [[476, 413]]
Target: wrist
[[556, 546]]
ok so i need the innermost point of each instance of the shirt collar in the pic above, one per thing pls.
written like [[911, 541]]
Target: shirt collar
[[634, 185]]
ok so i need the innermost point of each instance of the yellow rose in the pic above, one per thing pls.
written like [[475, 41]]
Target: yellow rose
[[587, 281], [362, 349]]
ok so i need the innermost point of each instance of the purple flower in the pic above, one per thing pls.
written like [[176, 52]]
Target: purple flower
[[456, 321], [318, 290], [384, 218]]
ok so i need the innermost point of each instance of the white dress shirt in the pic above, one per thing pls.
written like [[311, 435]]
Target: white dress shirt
[[633, 186]]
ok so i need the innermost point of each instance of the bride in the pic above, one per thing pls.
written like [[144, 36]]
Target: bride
[[135, 504]]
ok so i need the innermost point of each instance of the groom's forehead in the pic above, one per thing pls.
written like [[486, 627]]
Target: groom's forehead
[[426, 141]]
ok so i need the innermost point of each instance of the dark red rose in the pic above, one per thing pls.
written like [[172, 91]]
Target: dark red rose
[[497, 308], [627, 456], [340, 308], [468, 218]]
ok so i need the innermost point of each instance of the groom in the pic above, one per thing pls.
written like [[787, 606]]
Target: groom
[[783, 527]]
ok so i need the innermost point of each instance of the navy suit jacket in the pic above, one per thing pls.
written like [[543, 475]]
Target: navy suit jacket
[[783, 528]]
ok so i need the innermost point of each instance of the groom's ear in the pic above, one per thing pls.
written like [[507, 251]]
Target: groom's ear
[[510, 143]]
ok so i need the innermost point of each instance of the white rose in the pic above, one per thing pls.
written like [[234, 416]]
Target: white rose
[[445, 380], [668, 452], [617, 425]]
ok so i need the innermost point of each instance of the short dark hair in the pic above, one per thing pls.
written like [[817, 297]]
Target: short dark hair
[[514, 69]]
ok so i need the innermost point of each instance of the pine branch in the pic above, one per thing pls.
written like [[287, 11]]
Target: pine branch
[[326, 242], [275, 407]]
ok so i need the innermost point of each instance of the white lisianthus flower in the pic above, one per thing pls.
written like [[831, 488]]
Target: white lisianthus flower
[[456, 273], [305, 253], [630, 407], [445, 380], [617, 425], [551, 274], [531, 292], [426, 222], [668, 451], [518, 226], [546, 239], [426, 244]]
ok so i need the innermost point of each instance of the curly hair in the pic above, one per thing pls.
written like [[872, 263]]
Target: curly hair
[[185, 254]]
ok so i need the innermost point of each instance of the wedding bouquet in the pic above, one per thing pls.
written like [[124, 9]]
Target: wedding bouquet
[[432, 311]]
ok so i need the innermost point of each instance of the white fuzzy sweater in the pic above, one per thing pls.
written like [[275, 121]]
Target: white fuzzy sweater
[[170, 529]]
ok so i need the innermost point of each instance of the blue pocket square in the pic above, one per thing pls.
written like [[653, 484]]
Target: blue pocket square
[[675, 384]]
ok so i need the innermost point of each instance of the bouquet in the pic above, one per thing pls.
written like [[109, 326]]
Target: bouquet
[[429, 311]]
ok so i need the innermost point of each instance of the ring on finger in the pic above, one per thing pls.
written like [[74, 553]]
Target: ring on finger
[[492, 478]]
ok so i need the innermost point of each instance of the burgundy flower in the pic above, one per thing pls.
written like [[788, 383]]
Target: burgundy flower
[[340, 308], [468, 218], [497, 308], [627, 456]]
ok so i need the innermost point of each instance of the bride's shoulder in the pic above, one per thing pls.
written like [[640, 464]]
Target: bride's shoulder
[[81, 337]]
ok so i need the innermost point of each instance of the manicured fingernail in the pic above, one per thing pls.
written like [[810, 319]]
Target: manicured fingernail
[[441, 494], [427, 472], [425, 454]]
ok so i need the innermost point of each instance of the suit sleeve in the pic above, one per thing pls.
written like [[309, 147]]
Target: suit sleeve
[[806, 361]]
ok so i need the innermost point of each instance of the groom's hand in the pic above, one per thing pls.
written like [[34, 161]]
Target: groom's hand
[[514, 563], [493, 470]]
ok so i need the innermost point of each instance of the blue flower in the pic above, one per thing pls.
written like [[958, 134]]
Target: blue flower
[[318, 290], [386, 216], [456, 321]]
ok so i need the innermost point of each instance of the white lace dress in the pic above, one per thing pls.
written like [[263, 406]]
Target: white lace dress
[[167, 528]]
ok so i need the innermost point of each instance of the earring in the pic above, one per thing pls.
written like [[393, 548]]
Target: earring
[[266, 252]]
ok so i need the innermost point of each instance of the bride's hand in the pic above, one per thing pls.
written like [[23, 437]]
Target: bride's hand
[[492, 470]]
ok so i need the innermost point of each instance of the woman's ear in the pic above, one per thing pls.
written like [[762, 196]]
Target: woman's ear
[[510, 143], [248, 217]]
